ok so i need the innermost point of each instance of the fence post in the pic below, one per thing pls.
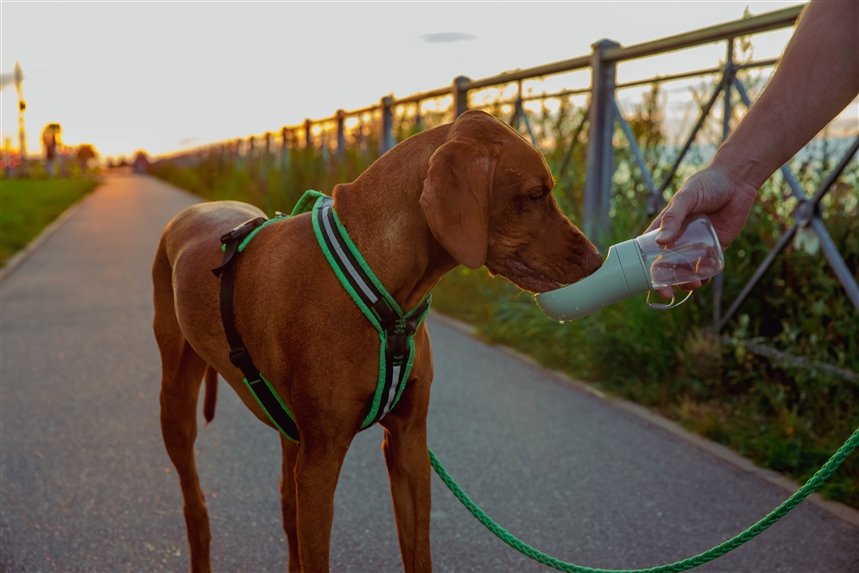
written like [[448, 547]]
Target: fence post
[[419, 121], [308, 139], [240, 150], [341, 134], [600, 150], [386, 141], [460, 95], [285, 134]]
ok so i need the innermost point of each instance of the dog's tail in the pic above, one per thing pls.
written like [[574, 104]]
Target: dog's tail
[[211, 394]]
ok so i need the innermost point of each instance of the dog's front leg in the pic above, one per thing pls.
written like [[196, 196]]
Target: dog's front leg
[[317, 469], [405, 448], [288, 502]]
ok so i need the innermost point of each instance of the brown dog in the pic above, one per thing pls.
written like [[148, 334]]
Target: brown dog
[[472, 192]]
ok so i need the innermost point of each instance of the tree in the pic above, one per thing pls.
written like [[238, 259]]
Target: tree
[[85, 155]]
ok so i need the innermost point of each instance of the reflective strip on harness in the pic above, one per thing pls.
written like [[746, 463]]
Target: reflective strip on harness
[[396, 329]]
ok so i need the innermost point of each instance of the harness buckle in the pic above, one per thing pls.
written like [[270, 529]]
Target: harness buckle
[[239, 357], [242, 230], [397, 339]]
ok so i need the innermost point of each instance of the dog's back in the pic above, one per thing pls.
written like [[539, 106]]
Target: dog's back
[[285, 293]]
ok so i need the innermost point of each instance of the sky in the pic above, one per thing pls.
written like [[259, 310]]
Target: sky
[[169, 76]]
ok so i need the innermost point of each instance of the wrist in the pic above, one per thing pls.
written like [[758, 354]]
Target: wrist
[[742, 168]]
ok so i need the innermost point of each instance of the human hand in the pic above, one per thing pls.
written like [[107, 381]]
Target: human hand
[[712, 192]]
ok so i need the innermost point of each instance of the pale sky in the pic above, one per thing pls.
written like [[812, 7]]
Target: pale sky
[[165, 76]]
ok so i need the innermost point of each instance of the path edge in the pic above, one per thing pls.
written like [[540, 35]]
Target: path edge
[[834, 508], [18, 258], [15, 261]]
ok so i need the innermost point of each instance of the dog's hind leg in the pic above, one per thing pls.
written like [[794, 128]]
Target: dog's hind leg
[[288, 502], [182, 375], [180, 387]]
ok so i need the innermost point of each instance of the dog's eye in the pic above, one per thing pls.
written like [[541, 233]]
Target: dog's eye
[[538, 193]]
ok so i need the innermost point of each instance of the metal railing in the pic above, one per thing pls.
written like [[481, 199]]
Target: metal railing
[[601, 119]]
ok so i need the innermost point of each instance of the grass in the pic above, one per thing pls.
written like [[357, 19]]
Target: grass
[[28, 205]]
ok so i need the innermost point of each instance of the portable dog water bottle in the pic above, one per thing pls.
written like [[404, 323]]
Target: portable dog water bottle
[[638, 265]]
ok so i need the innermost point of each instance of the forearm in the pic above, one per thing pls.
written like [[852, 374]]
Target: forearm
[[816, 79]]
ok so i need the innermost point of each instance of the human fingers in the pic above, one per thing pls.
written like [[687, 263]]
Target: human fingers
[[674, 215], [654, 224], [709, 191], [668, 291], [691, 285]]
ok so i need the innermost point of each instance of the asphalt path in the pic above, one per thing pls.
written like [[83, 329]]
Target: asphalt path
[[85, 483]]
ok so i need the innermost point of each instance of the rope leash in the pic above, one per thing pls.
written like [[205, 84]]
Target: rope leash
[[810, 487]]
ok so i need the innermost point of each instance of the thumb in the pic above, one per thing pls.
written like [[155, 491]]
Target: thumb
[[669, 227], [671, 222]]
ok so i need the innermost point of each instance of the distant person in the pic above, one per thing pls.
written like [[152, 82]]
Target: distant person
[[818, 76], [49, 142]]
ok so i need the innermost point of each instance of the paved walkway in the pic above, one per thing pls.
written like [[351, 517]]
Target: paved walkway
[[85, 484]]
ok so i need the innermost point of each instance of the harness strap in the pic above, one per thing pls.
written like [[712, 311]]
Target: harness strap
[[262, 390], [230, 242], [396, 329]]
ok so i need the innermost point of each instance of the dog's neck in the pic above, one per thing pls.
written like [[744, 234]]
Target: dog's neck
[[381, 213]]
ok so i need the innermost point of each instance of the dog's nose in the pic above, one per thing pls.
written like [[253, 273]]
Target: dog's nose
[[593, 261]]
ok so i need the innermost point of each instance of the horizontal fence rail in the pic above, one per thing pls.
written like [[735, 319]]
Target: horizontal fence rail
[[462, 85], [603, 115]]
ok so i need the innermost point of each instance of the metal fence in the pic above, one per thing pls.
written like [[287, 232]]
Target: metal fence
[[406, 115]]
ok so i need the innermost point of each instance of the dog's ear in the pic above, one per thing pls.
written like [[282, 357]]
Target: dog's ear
[[456, 197]]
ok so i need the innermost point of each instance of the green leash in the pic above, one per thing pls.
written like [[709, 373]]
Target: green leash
[[810, 486]]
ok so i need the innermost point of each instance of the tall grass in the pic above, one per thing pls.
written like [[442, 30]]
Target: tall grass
[[783, 416]]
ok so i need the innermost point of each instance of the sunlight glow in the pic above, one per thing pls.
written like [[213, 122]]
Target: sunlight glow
[[125, 76]]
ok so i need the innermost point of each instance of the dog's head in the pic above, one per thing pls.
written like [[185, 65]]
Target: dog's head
[[487, 199]]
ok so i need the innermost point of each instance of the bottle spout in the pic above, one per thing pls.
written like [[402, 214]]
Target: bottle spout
[[637, 265], [593, 262], [620, 276]]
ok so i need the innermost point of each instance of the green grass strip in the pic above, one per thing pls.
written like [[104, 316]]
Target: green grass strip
[[27, 206]]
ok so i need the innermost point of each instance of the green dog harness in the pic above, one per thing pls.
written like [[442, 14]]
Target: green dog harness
[[396, 329]]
